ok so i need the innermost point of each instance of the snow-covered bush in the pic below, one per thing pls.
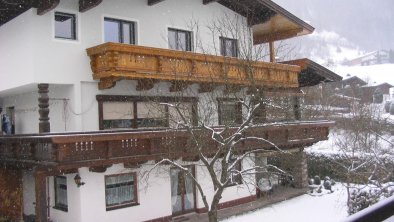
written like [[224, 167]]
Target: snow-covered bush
[[361, 198]]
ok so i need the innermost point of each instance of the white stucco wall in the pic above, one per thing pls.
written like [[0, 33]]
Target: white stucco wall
[[16, 55], [26, 109], [29, 193], [230, 193], [87, 203], [30, 54], [73, 199]]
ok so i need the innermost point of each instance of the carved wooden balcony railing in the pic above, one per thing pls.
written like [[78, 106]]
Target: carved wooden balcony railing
[[109, 147], [111, 62]]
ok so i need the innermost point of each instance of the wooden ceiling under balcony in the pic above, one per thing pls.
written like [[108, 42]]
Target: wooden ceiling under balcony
[[112, 62]]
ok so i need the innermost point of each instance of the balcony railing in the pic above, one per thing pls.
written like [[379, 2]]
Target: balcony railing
[[111, 62], [108, 147]]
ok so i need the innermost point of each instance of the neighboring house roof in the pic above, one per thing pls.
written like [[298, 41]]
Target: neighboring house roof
[[312, 73], [378, 85], [269, 21], [354, 79]]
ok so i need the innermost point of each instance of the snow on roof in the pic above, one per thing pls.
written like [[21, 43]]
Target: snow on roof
[[376, 73]]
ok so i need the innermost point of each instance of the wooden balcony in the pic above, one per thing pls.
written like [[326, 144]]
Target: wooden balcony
[[111, 62], [110, 147]]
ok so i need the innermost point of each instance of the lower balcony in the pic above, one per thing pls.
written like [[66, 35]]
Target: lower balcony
[[111, 62], [101, 148]]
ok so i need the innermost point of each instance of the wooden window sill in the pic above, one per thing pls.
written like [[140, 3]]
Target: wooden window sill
[[122, 206]]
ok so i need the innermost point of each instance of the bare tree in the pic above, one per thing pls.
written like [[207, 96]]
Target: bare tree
[[217, 149], [365, 157]]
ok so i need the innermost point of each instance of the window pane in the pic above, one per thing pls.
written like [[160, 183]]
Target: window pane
[[64, 25], [117, 115], [151, 114], [126, 33], [119, 190], [182, 41], [179, 40], [111, 31], [117, 110], [229, 113], [172, 39], [150, 110], [186, 110], [61, 192], [228, 47]]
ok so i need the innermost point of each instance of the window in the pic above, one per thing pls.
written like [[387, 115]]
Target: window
[[118, 115], [142, 112], [61, 193], [121, 191], [179, 40], [119, 31], [228, 47], [151, 114], [65, 26], [230, 112]]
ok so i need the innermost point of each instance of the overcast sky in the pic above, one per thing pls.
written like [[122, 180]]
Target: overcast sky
[[367, 23]]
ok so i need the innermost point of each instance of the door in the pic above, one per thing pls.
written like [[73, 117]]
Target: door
[[182, 191]]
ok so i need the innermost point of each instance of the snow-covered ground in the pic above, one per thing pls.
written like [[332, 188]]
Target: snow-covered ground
[[305, 208]]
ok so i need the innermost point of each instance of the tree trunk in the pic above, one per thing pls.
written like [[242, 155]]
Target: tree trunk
[[213, 215]]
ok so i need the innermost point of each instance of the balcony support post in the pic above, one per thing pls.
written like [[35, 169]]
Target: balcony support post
[[41, 196], [296, 107], [43, 104], [272, 51]]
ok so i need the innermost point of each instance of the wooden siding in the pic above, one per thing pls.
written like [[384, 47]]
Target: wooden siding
[[111, 62]]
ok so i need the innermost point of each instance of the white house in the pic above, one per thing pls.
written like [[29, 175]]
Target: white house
[[96, 67]]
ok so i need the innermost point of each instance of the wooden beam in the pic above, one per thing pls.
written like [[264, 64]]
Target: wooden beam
[[86, 5], [275, 36], [272, 51], [205, 2], [107, 83], [99, 169], [133, 165], [44, 6], [154, 2], [177, 86], [206, 87], [145, 84], [41, 197], [232, 89]]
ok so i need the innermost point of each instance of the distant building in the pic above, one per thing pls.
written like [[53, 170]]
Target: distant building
[[372, 58]]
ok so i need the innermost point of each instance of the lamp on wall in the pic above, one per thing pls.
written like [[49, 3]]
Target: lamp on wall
[[77, 180]]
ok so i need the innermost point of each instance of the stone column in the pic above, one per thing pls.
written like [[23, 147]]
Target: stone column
[[300, 172], [260, 160], [297, 108], [43, 105]]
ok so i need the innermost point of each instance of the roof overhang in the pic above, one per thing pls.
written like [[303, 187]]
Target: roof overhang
[[279, 26], [269, 21], [313, 73]]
